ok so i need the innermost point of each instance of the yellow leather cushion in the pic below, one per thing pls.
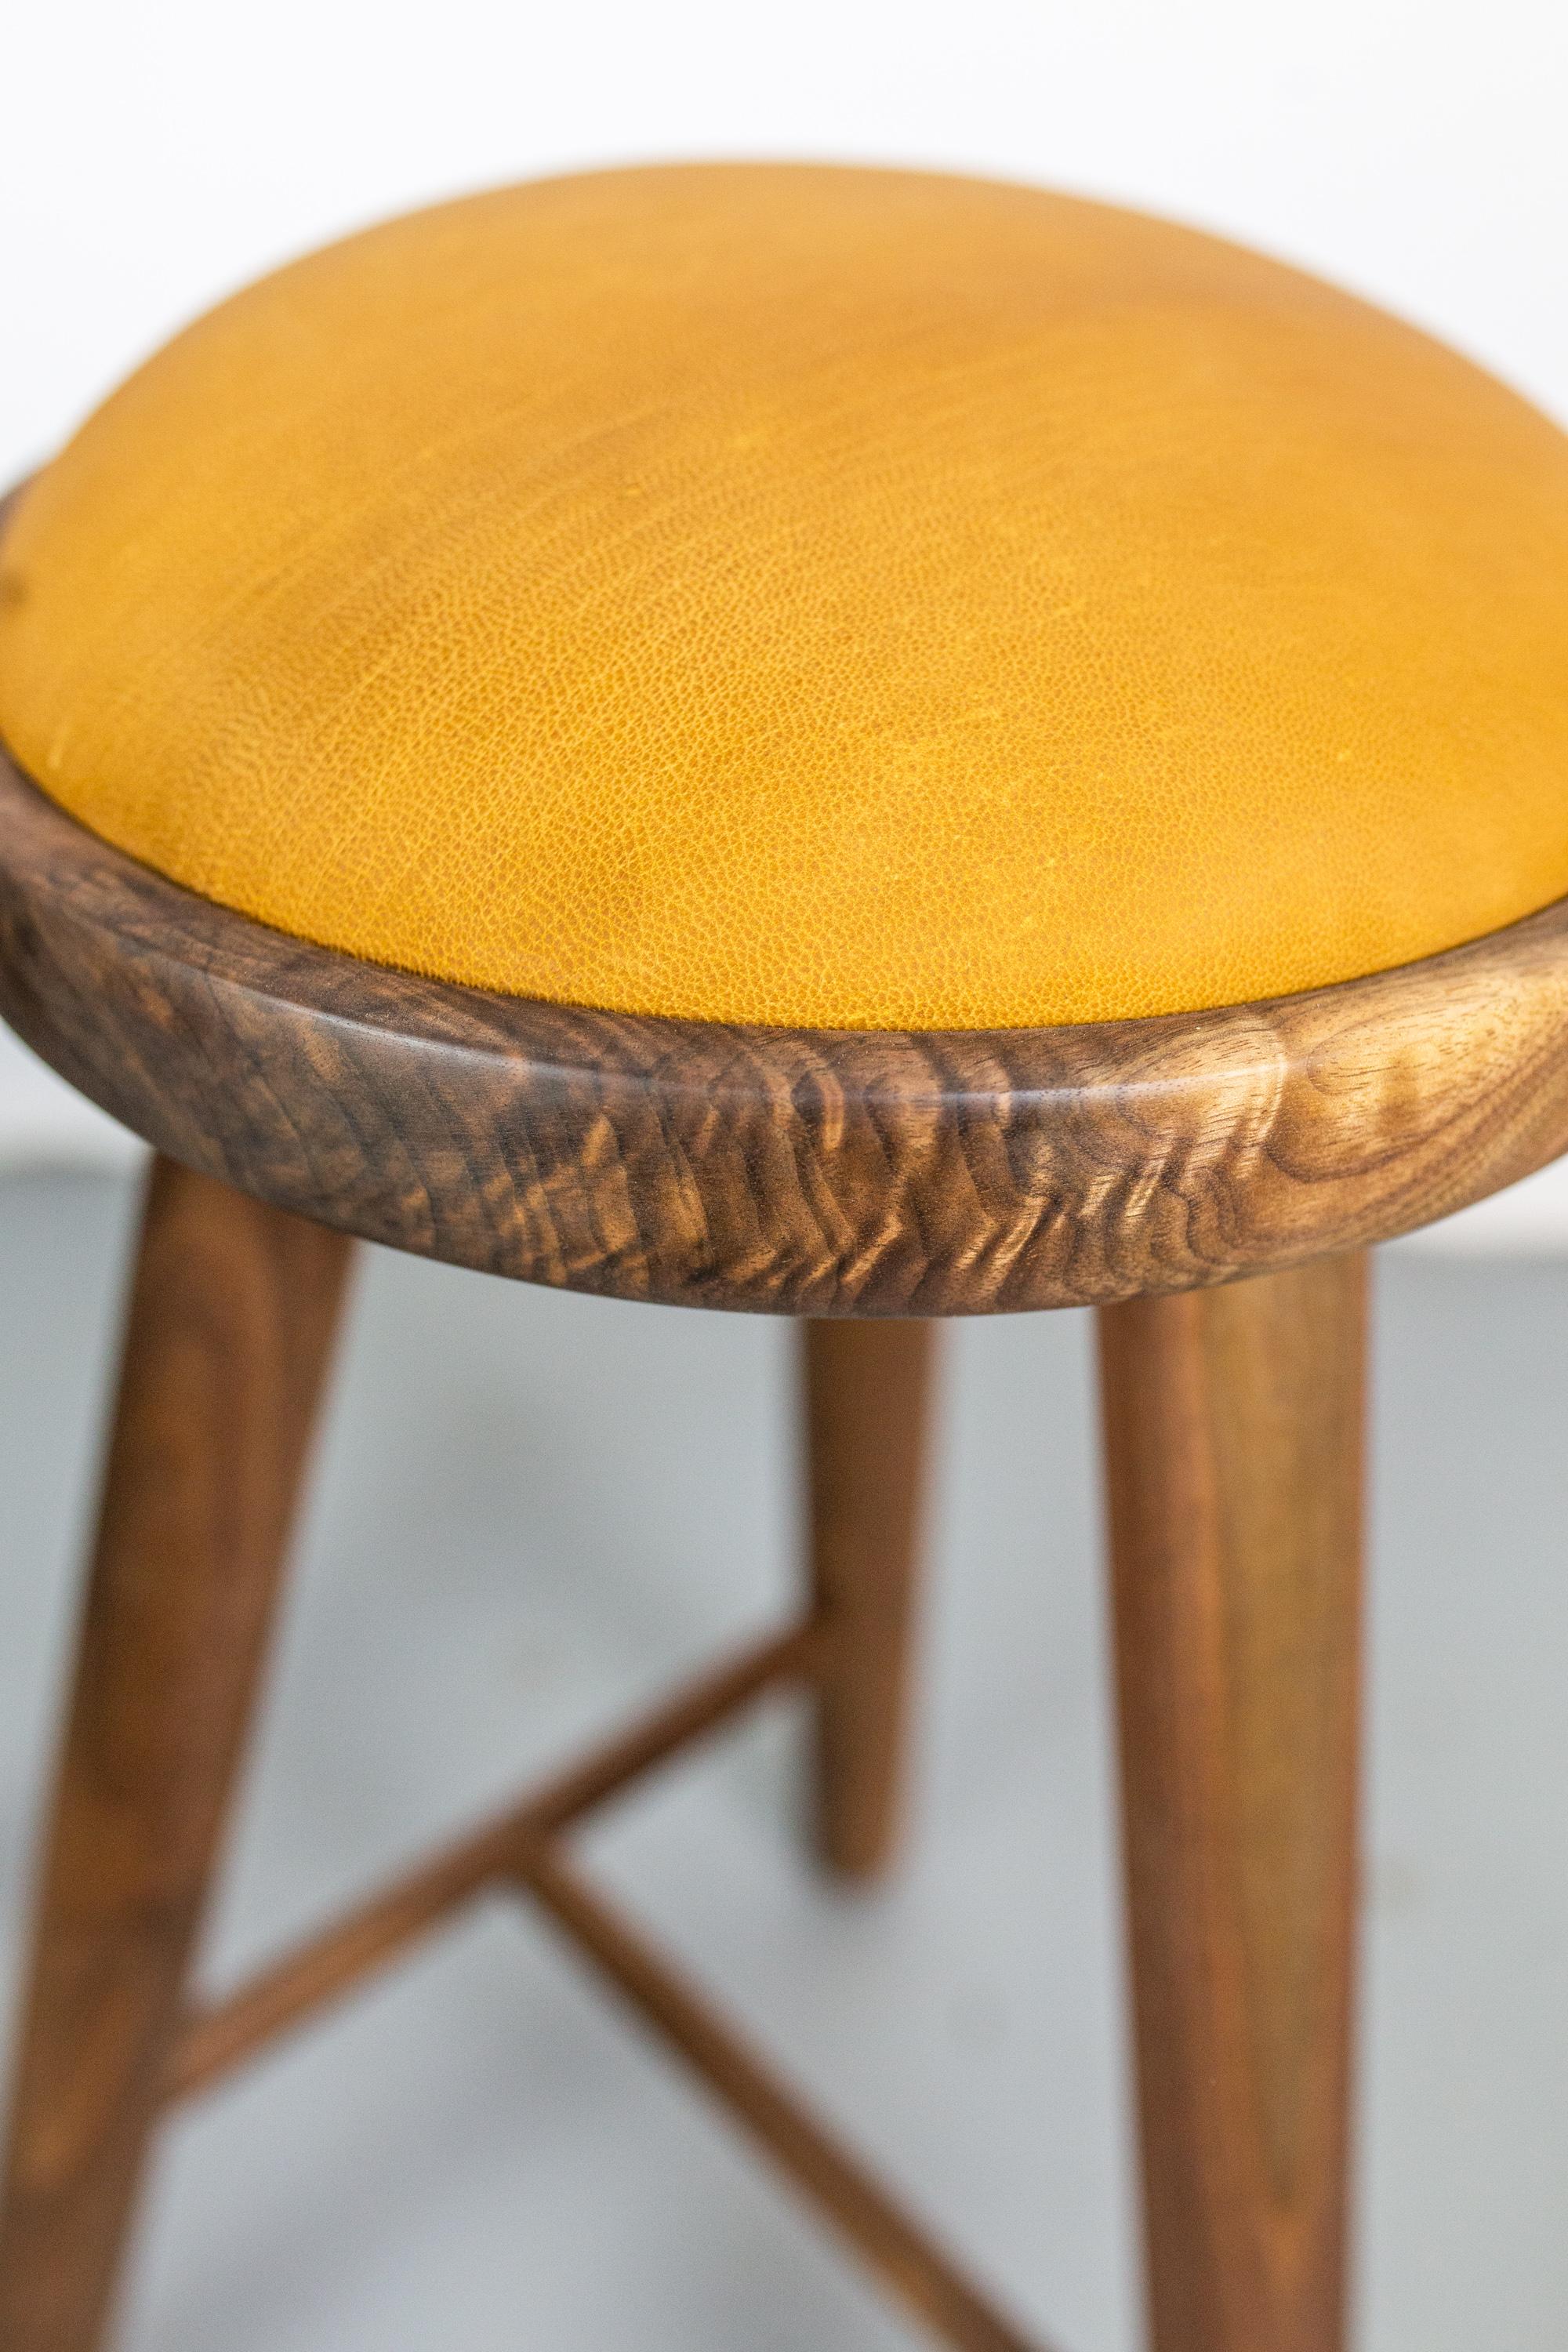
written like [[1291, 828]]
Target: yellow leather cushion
[[806, 595]]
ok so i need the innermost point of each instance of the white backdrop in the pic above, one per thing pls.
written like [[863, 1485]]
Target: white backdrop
[[156, 155]]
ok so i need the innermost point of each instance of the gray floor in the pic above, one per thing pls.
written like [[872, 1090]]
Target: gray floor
[[531, 1509]]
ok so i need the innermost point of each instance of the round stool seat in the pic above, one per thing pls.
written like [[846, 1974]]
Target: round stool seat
[[822, 598]]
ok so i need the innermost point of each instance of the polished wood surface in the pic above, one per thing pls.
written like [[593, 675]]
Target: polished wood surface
[[231, 1317], [850, 1173], [232, 1314], [1234, 1433], [868, 1177], [867, 1390]]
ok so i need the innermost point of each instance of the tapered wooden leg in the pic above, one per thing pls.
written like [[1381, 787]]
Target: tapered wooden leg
[[232, 1311], [1234, 1433], [867, 1392]]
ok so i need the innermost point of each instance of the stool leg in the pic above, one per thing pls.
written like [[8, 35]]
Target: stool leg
[[231, 1314], [1233, 1434], [868, 1395]]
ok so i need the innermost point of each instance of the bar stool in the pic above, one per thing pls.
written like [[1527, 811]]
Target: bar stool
[[851, 744]]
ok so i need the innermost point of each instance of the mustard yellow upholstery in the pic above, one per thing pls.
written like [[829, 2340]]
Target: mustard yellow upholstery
[[814, 596]]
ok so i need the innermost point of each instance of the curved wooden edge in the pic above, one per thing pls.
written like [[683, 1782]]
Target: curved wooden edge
[[804, 1173]]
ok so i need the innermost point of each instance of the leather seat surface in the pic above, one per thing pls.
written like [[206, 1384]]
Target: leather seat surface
[[816, 596]]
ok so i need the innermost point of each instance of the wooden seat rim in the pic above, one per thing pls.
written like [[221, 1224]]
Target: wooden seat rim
[[796, 1171]]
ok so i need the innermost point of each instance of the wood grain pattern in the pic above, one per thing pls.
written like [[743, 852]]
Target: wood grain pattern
[[231, 1317], [868, 1406], [1234, 1429], [798, 1171]]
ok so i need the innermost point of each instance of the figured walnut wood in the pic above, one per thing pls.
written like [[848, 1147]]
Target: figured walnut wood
[[231, 1317], [852, 1172], [1233, 1427], [867, 1398]]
